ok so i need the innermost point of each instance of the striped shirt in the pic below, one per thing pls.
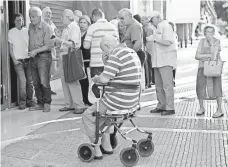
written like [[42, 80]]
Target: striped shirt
[[124, 70], [94, 35]]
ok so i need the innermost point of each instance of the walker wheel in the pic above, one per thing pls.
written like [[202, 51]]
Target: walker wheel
[[129, 156], [145, 147], [86, 152]]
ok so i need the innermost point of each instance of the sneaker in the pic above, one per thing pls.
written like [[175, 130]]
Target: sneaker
[[21, 107], [36, 107], [47, 108], [30, 104]]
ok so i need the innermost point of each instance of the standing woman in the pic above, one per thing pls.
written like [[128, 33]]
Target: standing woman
[[208, 49], [84, 23]]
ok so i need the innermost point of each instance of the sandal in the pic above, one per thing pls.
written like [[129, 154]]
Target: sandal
[[217, 115], [200, 112]]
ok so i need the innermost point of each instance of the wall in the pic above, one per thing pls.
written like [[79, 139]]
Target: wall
[[57, 8], [110, 8]]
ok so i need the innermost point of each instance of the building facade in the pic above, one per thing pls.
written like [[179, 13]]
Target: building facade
[[8, 82]]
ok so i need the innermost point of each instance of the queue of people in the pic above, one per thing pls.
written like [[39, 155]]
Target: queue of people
[[152, 39]]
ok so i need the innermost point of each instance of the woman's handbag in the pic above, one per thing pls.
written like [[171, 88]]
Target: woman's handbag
[[73, 65], [213, 68]]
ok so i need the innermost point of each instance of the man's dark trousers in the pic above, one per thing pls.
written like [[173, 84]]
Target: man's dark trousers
[[41, 66]]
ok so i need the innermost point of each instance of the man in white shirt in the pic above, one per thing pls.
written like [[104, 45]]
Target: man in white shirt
[[18, 42], [72, 91], [163, 61]]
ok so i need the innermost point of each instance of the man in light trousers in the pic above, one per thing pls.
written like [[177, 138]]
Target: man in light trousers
[[163, 62], [72, 91]]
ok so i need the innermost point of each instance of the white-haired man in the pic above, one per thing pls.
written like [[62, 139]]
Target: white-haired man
[[77, 15], [72, 91], [40, 46], [134, 32], [122, 73], [163, 62], [46, 15]]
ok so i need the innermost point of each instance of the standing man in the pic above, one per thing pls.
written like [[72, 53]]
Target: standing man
[[72, 91], [95, 33], [40, 46], [77, 15], [47, 14], [134, 32], [163, 62], [18, 42], [133, 36]]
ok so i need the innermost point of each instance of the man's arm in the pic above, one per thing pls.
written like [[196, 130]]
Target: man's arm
[[12, 54], [86, 44], [167, 38], [136, 38], [110, 71], [101, 79], [88, 38], [48, 42]]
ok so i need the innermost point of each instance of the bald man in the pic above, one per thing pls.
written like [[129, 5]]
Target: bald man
[[122, 74], [40, 46]]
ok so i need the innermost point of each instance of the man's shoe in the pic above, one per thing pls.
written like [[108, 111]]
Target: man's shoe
[[168, 112], [21, 107], [30, 104], [36, 107], [47, 108], [79, 110], [53, 93], [66, 109], [156, 110]]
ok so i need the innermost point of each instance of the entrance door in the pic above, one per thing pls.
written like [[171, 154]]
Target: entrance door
[[4, 81]]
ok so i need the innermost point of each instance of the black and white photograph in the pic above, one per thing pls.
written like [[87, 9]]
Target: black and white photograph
[[114, 83]]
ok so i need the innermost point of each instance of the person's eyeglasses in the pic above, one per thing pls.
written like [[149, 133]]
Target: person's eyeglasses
[[121, 18]]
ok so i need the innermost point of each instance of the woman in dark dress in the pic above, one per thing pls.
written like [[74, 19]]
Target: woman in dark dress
[[84, 23]]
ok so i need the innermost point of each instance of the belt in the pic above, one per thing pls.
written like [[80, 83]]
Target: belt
[[44, 52], [27, 59]]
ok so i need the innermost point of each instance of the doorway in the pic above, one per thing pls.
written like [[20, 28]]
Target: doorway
[[8, 80]]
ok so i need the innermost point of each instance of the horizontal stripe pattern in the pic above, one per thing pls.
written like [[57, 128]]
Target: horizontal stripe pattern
[[94, 34], [124, 68]]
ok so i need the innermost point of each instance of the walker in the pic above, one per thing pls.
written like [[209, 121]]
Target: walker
[[129, 156]]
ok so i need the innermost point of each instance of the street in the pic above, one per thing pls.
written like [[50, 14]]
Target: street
[[181, 140]]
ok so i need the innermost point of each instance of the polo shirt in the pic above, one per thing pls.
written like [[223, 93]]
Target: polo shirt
[[19, 40], [41, 36], [94, 35], [124, 70], [134, 32]]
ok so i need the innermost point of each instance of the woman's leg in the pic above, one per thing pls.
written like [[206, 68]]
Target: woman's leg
[[219, 103]]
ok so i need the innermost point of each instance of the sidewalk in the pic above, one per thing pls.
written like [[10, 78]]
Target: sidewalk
[[180, 140]]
